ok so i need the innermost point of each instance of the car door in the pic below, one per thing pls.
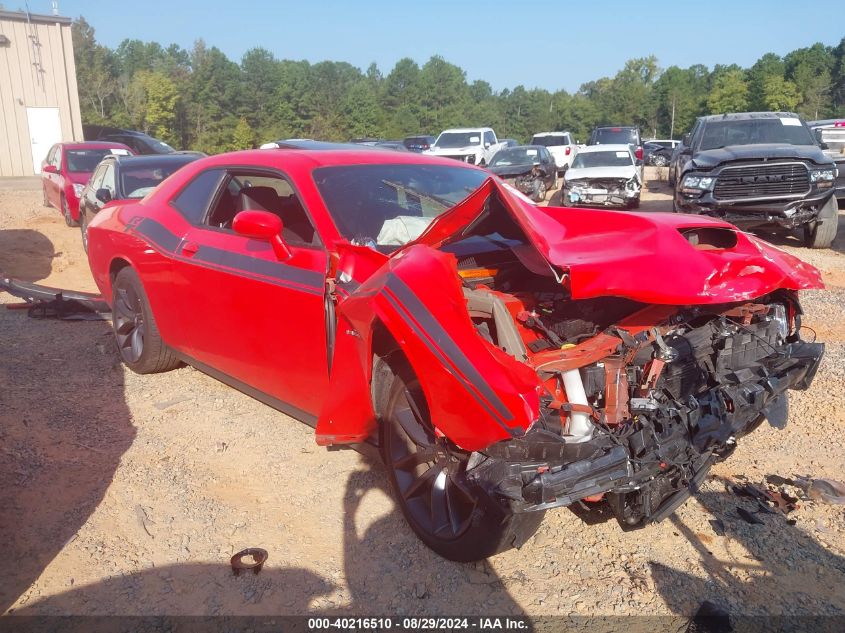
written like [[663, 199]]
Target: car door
[[245, 313]]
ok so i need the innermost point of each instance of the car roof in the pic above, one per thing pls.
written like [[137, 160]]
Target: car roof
[[616, 127], [154, 159], [610, 147], [746, 116], [550, 133], [468, 129], [308, 144], [94, 145], [827, 123], [313, 158]]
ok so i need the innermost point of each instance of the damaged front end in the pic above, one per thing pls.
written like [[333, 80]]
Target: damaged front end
[[603, 191], [529, 182], [638, 412]]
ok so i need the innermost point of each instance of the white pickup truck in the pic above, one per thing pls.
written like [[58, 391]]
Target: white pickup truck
[[474, 145]]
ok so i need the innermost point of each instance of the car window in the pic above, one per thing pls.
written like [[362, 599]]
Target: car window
[[385, 206], [193, 200], [50, 155], [489, 138], [86, 160], [246, 191], [613, 158], [57, 159], [108, 178], [97, 178], [614, 136], [137, 180]]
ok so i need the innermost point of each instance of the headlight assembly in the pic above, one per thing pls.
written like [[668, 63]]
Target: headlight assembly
[[823, 177], [697, 184]]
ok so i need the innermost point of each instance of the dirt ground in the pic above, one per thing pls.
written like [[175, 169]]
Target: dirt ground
[[126, 494]]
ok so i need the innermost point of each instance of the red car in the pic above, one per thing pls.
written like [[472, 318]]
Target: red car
[[66, 170], [506, 358]]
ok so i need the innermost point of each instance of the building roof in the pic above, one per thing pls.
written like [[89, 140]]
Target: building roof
[[24, 16]]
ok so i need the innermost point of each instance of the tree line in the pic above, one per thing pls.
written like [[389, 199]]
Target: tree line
[[200, 99]]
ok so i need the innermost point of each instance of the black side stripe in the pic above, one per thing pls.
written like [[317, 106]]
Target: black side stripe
[[412, 309], [277, 273]]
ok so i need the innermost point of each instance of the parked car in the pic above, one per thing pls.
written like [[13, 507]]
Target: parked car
[[758, 169], [419, 143], [561, 145], [528, 168], [505, 358], [831, 137], [67, 168], [125, 178], [658, 152], [614, 135], [475, 146], [139, 142], [397, 146], [606, 175]]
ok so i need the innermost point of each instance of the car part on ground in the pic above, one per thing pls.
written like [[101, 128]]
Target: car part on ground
[[508, 358], [47, 302], [238, 561], [604, 175], [530, 169], [758, 170], [475, 146]]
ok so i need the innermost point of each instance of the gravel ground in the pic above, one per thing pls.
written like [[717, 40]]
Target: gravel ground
[[125, 494]]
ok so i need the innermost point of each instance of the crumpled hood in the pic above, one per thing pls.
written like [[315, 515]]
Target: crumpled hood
[[599, 172], [640, 256], [770, 151]]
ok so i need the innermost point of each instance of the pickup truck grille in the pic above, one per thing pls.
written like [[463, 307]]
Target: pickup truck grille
[[464, 158], [762, 181]]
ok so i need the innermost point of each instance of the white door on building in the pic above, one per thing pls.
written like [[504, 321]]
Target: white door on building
[[45, 130]]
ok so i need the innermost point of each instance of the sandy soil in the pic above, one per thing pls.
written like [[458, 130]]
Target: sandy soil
[[124, 494]]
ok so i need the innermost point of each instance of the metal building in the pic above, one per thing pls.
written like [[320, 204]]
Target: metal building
[[39, 101]]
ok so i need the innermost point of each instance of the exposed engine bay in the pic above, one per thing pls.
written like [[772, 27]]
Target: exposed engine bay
[[603, 191], [639, 400]]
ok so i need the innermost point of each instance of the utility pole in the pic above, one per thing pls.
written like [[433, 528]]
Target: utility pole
[[672, 128]]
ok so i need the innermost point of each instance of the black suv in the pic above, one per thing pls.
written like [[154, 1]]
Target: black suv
[[621, 135], [139, 142], [757, 169]]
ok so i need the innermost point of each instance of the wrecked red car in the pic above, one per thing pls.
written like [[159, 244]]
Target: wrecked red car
[[505, 358]]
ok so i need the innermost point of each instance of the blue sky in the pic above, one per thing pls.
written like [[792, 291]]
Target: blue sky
[[540, 43]]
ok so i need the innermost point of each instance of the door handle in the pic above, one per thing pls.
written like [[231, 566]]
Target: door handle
[[189, 249]]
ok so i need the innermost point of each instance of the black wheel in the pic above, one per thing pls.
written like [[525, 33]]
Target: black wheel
[[66, 213], [658, 160], [635, 203], [83, 229], [822, 232], [539, 191], [450, 514], [138, 341]]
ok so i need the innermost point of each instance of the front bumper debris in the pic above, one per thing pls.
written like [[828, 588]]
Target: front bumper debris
[[786, 214]]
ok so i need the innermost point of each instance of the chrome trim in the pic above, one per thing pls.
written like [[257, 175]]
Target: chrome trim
[[791, 196]]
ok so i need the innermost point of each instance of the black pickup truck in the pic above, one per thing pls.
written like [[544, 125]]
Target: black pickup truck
[[757, 170]]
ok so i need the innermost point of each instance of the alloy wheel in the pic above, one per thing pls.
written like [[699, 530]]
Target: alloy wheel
[[129, 325]]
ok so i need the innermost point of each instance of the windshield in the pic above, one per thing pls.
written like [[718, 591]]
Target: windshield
[[138, 181], [787, 130], [613, 136], [386, 206], [549, 141], [516, 156], [602, 159], [85, 161], [458, 139], [160, 147]]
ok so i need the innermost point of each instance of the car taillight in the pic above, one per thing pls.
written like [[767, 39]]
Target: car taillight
[[568, 151], [639, 153]]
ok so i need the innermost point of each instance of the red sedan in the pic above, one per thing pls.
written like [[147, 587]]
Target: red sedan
[[506, 358], [67, 169]]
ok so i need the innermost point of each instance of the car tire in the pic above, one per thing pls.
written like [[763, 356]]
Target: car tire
[[66, 213], [447, 511], [659, 160], [822, 232], [540, 191], [136, 333], [83, 230], [635, 203]]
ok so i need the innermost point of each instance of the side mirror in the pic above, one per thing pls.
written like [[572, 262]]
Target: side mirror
[[50, 169], [103, 195], [263, 225], [823, 145], [686, 139]]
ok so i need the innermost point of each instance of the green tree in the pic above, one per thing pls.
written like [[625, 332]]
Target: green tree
[[768, 66], [780, 94], [244, 136], [729, 93]]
